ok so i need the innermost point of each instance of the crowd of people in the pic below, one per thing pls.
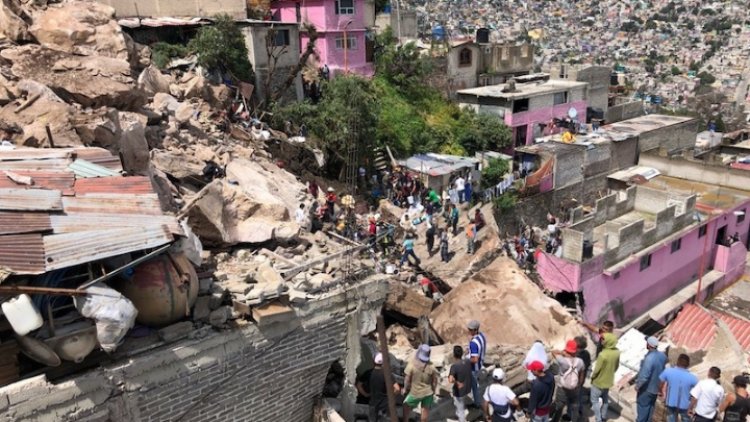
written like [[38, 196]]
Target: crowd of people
[[555, 384]]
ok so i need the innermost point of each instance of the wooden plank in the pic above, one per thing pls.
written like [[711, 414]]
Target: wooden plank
[[273, 312]]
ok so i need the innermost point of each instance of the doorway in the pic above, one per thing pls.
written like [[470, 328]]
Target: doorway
[[521, 135], [721, 236]]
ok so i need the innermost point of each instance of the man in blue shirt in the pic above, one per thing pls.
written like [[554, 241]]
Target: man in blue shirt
[[676, 384], [409, 251], [647, 381], [477, 348]]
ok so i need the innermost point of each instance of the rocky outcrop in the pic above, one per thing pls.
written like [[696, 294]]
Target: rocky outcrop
[[91, 81], [37, 116], [83, 28], [152, 81], [511, 309], [12, 27]]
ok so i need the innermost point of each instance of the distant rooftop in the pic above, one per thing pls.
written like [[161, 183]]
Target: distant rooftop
[[437, 164], [647, 123], [711, 199], [524, 90]]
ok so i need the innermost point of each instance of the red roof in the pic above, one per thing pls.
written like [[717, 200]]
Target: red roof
[[18, 222], [740, 328], [53, 180], [116, 184], [23, 253], [694, 328]]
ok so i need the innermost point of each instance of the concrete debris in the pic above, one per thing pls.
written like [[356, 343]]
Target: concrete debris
[[58, 116], [511, 309], [176, 331], [272, 312], [407, 301], [202, 308], [218, 317], [83, 28]]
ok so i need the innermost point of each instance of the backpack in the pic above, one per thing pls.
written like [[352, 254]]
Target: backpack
[[569, 379]]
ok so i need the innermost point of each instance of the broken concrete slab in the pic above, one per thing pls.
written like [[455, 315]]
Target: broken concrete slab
[[175, 331], [273, 312], [12, 27]]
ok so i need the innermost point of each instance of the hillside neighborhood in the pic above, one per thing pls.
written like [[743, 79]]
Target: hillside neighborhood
[[361, 210]]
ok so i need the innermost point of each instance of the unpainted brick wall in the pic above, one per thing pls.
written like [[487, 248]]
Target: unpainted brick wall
[[245, 374]]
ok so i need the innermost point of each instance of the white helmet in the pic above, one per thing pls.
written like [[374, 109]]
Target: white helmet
[[498, 374]]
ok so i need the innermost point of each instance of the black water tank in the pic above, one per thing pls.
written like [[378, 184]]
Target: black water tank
[[588, 249], [483, 36], [613, 79]]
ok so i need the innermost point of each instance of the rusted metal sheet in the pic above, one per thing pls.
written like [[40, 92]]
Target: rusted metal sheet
[[30, 200], [22, 253], [24, 222], [24, 154], [54, 180], [60, 164], [66, 250], [100, 156], [116, 184], [113, 204], [82, 222]]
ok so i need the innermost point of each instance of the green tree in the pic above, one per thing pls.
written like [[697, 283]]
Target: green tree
[[706, 78], [676, 71], [221, 47], [493, 173], [162, 53], [402, 65], [484, 131]]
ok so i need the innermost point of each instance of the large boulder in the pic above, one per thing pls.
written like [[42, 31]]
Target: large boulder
[[132, 145], [152, 81], [92, 81], [511, 309], [35, 118], [12, 27], [252, 205], [81, 27]]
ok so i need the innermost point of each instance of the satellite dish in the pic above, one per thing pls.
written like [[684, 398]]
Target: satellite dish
[[572, 113]]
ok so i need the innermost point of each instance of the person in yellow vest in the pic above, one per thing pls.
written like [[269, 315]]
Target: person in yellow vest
[[471, 234]]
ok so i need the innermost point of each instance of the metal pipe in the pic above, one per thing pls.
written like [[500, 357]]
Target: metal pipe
[[124, 267]]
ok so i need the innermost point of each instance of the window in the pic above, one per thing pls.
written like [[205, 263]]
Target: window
[[560, 98], [645, 261], [702, 231], [351, 42], [464, 57], [741, 217], [676, 245], [344, 7], [520, 105], [281, 38]]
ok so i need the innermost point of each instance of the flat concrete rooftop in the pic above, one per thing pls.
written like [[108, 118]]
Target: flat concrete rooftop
[[526, 90], [647, 123], [711, 199]]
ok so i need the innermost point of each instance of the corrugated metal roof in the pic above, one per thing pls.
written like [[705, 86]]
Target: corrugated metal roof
[[60, 164], [694, 328], [65, 250], [56, 180], [85, 221], [22, 253], [99, 156], [102, 203], [24, 222], [84, 168], [22, 154], [740, 328], [30, 199], [116, 184]]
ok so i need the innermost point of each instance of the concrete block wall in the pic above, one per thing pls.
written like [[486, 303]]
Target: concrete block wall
[[568, 168], [650, 201], [672, 138], [572, 245], [244, 374], [598, 159]]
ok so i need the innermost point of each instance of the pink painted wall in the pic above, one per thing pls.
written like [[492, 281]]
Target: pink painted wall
[[557, 274], [542, 115], [322, 14]]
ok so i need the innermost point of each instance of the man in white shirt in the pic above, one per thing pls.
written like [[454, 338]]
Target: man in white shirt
[[460, 188], [706, 397], [299, 216], [500, 398]]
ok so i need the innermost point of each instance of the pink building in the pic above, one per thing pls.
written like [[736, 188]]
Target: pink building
[[343, 25], [529, 105], [644, 252]]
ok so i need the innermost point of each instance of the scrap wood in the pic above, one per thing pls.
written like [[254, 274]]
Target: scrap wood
[[27, 103]]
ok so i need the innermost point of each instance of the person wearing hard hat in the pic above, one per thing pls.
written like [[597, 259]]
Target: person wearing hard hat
[[500, 398]]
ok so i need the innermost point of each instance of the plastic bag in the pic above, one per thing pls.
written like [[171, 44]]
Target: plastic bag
[[113, 313]]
